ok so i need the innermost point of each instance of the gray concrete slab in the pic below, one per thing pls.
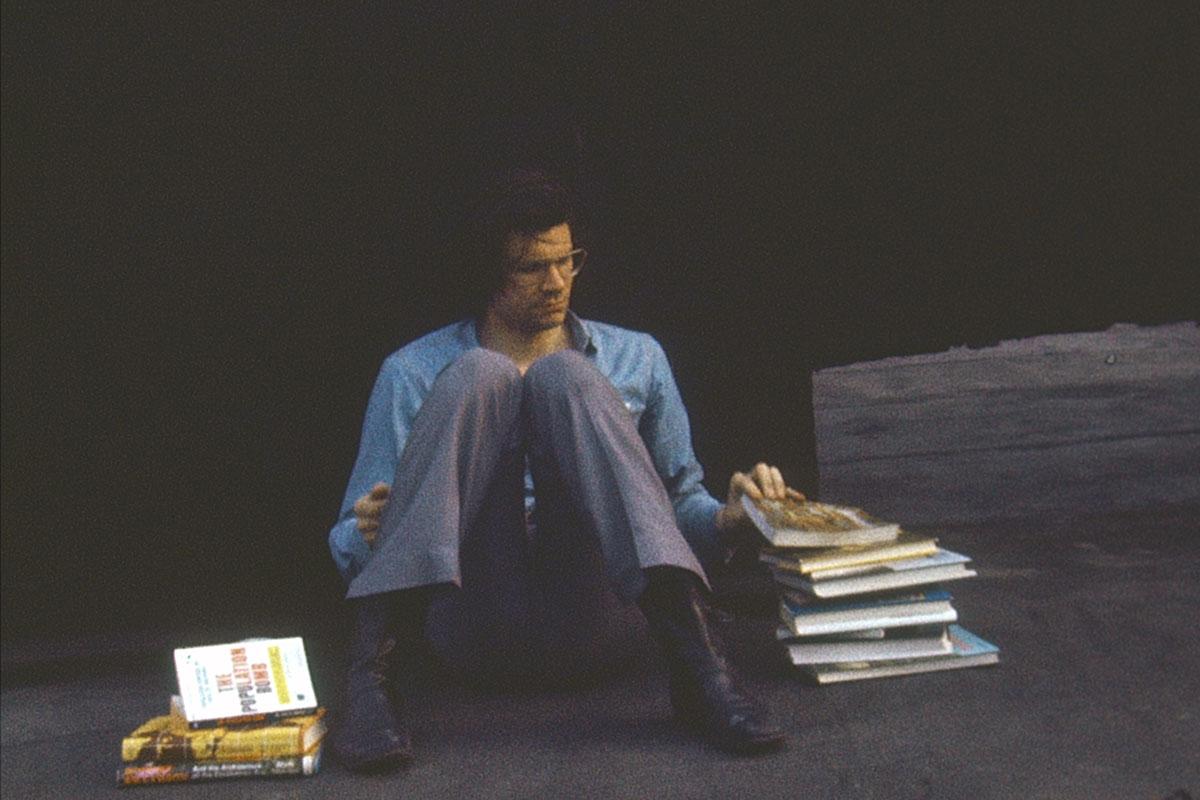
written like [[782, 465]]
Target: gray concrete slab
[[1053, 425]]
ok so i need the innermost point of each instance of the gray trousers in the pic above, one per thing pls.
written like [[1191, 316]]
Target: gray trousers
[[456, 515]]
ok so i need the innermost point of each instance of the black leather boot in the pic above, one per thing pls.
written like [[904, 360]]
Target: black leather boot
[[704, 690], [370, 735]]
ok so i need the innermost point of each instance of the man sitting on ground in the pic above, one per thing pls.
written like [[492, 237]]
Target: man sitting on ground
[[525, 475]]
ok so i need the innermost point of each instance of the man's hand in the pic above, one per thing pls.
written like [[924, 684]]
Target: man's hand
[[369, 508], [762, 481]]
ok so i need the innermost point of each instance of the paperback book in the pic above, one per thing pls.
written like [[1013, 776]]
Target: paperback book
[[138, 774], [248, 681], [168, 739]]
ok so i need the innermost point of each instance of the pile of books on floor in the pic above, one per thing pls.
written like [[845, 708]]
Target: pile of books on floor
[[860, 598], [245, 709]]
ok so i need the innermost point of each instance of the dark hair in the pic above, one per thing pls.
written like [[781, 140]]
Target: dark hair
[[514, 201]]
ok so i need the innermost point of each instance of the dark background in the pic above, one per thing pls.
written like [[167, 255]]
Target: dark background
[[218, 220]]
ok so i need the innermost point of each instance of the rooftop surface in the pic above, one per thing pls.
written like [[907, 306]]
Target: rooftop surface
[[1092, 601]]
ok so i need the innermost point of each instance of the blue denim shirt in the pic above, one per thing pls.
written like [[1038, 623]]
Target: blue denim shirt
[[633, 362]]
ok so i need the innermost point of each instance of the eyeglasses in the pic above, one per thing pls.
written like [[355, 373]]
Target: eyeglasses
[[531, 272]]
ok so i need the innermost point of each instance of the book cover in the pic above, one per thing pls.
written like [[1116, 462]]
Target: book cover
[[784, 632], [943, 566], [922, 608], [897, 643], [141, 774], [252, 680], [969, 650], [805, 523], [907, 545], [170, 740]]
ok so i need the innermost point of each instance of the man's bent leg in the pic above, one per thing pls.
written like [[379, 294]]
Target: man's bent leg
[[589, 456], [587, 451], [465, 424], [468, 420]]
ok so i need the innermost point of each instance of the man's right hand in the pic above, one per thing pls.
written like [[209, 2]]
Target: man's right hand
[[368, 509]]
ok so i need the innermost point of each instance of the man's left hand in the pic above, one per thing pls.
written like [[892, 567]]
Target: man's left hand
[[764, 481]]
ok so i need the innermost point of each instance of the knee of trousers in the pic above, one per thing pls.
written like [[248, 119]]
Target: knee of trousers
[[564, 373], [481, 372]]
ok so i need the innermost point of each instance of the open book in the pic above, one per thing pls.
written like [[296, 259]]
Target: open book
[[806, 523]]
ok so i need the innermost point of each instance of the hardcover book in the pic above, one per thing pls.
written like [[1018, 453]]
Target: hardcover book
[[169, 740], [819, 561], [897, 643], [805, 523], [248, 681], [817, 619], [945, 565], [138, 774], [968, 650]]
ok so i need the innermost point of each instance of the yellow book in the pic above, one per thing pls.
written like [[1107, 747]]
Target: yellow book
[[816, 561], [169, 740]]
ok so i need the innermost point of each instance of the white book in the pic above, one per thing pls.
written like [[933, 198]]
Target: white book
[[925, 608], [911, 643], [968, 650], [252, 680], [784, 632]]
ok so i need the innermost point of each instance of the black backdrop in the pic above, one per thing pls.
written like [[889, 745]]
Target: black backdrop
[[218, 219]]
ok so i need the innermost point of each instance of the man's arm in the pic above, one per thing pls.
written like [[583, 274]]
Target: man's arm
[[734, 527], [384, 431], [711, 528]]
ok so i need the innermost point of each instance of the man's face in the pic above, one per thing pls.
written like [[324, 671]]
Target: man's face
[[537, 287]]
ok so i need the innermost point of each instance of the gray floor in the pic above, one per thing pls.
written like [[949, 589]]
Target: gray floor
[[1093, 601]]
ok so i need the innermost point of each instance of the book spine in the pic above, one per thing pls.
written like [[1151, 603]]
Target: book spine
[[211, 770], [273, 716], [201, 746]]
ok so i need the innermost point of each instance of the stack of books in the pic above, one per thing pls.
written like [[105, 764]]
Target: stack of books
[[859, 597], [245, 709]]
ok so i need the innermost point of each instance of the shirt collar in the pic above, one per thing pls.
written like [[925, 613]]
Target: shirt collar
[[581, 334]]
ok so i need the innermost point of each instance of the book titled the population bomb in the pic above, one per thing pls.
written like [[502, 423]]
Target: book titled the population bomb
[[806, 523], [142, 774], [248, 681], [169, 740]]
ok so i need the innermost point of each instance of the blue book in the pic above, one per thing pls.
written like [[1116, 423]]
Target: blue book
[[967, 650]]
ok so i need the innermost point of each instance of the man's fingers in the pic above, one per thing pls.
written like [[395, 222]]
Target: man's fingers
[[778, 487], [742, 483], [366, 507], [770, 480], [380, 491], [796, 494]]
